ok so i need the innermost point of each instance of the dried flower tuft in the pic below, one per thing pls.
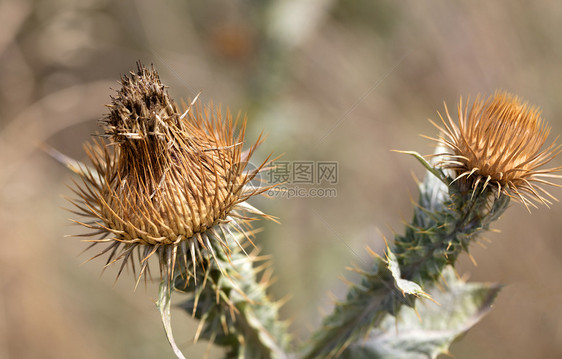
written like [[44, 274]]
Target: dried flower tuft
[[165, 183], [499, 143]]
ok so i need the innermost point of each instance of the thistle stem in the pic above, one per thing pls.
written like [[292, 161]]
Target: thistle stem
[[445, 222], [233, 308]]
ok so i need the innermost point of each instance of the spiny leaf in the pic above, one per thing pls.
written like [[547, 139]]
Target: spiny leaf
[[406, 336], [405, 286]]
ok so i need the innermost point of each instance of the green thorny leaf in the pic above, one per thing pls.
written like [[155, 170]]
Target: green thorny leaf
[[229, 298], [430, 329], [405, 286], [444, 224]]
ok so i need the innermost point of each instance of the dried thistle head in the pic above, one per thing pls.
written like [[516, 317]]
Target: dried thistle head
[[500, 143], [164, 183]]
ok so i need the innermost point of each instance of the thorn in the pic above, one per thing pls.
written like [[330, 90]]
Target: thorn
[[472, 259]]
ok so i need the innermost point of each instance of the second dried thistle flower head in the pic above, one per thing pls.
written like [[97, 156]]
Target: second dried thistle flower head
[[166, 183], [500, 143]]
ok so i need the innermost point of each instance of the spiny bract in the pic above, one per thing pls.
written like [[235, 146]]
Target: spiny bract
[[164, 182]]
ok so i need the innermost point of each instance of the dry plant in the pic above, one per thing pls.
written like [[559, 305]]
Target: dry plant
[[174, 185]]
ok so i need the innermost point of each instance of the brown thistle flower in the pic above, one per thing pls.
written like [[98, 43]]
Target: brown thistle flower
[[163, 183], [499, 143]]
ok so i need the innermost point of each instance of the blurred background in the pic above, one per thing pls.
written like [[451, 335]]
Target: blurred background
[[328, 80]]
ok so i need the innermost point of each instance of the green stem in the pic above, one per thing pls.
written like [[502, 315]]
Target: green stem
[[445, 222], [234, 309]]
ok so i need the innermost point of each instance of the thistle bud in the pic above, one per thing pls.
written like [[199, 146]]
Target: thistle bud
[[165, 183], [499, 144]]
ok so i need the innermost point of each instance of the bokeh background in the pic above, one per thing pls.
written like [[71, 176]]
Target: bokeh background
[[328, 80]]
